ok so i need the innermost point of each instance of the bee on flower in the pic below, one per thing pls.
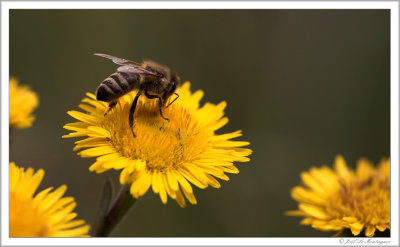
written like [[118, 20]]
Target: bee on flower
[[168, 156]]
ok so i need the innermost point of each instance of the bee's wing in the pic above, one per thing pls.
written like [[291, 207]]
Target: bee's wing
[[117, 60], [128, 65], [129, 69]]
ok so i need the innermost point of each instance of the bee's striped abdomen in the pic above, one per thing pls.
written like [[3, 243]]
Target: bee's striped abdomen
[[116, 85]]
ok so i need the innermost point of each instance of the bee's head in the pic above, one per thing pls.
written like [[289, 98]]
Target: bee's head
[[172, 86]]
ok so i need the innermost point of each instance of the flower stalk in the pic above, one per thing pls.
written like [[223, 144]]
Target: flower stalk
[[107, 222]]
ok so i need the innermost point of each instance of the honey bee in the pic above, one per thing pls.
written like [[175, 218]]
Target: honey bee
[[154, 80]]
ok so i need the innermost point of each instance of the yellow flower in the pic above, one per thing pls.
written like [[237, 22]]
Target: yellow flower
[[339, 199], [164, 155], [22, 103], [44, 215]]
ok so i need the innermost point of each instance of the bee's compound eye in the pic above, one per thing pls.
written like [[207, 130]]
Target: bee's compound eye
[[173, 88]]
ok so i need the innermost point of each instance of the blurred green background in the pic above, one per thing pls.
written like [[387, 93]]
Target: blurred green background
[[303, 85]]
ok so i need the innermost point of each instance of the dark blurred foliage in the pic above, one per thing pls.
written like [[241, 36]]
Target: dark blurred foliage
[[303, 85]]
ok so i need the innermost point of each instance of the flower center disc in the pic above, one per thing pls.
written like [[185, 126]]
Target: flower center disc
[[162, 144]]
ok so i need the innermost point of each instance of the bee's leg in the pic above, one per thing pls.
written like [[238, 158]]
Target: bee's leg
[[177, 96], [132, 112], [160, 103], [110, 106]]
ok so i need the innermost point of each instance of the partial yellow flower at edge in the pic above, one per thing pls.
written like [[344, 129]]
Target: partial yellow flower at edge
[[47, 214], [341, 198], [169, 157], [22, 102]]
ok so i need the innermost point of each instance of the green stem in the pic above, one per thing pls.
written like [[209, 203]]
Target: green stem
[[117, 211], [9, 136]]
